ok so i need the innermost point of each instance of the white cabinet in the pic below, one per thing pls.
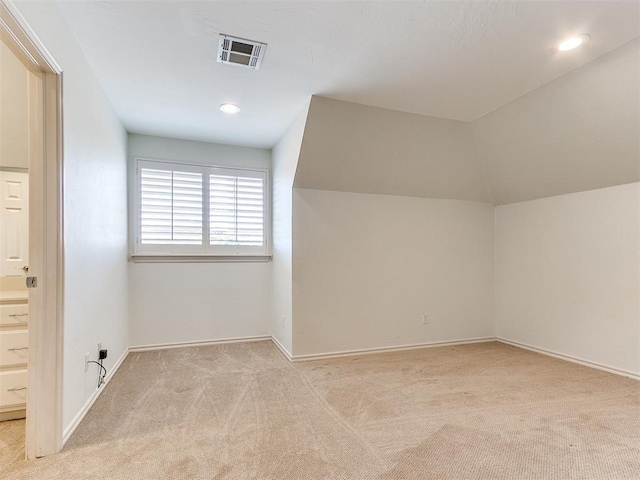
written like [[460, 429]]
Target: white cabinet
[[14, 348], [13, 389], [14, 353], [14, 314]]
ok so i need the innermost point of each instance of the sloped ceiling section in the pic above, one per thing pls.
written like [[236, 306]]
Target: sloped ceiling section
[[580, 132], [355, 148]]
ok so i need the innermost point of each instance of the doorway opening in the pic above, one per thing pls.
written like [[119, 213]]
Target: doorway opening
[[31, 254], [15, 83]]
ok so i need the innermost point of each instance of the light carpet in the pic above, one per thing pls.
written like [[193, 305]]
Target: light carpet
[[242, 411]]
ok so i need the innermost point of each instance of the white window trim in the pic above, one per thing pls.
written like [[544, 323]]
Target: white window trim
[[220, 253], [177, 258]]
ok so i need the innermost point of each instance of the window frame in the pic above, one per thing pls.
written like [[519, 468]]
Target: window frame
[[204, 252]]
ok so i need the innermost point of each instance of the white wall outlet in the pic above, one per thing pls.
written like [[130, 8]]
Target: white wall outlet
[[86, 362], [99, 346], [424, 319]]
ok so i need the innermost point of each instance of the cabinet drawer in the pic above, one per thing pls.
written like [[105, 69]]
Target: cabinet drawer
[[17, 314], [14, 348], [13, 388]]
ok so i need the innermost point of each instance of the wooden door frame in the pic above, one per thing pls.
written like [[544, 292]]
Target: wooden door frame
[[46, 247]]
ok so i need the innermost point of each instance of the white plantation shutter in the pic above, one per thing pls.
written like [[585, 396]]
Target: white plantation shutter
[[170, 207], [182, 209], [237, 208]]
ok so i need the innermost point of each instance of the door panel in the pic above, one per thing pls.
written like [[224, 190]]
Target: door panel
[[14, 223]]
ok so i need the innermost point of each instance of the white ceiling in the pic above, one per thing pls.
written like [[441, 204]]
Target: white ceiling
[[453, 59]]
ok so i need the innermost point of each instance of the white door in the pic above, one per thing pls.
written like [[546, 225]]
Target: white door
[[14, 223]]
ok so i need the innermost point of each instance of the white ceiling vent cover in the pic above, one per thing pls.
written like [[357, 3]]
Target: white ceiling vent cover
[[241, 52]]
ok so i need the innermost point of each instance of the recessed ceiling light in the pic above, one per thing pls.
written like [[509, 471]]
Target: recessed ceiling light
[[229, 108], [573, 42]]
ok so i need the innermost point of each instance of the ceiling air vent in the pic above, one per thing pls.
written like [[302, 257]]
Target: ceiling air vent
[[241, 52]]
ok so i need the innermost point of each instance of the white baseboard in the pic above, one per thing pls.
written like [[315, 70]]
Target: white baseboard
[[197, 343], [572, 359], [281, 348], [91, 400], [399, 348], [13, 415]]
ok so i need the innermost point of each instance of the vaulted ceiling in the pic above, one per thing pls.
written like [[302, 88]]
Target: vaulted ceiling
[[579, 132], [458, 60]]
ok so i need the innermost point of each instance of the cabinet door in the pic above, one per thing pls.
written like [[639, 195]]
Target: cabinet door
[[14, 348], [14, 314], [13, 388], [14, 223]]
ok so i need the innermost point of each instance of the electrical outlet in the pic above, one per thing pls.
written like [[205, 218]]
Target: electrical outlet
[[99, 346], [424, 319], [86, 362]]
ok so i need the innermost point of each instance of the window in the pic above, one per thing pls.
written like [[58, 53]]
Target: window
[[198, 210]]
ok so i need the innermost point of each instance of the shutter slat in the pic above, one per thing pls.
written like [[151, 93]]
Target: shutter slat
[[171, 207], [236, 213]]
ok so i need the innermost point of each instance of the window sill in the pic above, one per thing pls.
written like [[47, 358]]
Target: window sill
[[164, 258]]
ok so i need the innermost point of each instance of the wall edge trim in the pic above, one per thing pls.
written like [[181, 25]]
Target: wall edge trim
[[572, 359], [285, 352], [198, 343], [68, 431], [399, 348]]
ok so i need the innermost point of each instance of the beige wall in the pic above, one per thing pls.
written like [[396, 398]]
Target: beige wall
[[355, 148], [568, 275], [365, 268], [13, 110]]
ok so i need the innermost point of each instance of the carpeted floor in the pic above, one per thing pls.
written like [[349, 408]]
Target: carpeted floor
[[11, 443], [242, 411]]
